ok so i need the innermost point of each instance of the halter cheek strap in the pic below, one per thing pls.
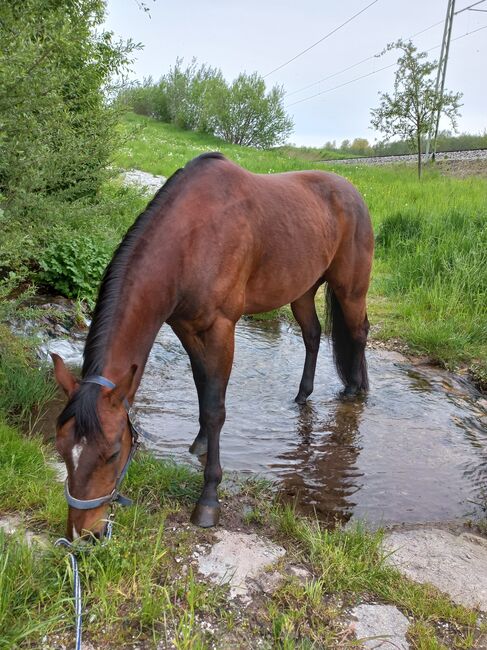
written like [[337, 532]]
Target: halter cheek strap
[[114, 496]]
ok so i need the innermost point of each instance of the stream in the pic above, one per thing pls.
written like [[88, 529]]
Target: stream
[[413, 451]]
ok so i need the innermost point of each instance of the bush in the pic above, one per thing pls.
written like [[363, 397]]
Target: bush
[[74, 266], [198, 99]]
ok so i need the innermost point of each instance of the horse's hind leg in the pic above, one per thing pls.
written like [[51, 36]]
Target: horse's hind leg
[[349, 329], [304, 311], [211, 355]]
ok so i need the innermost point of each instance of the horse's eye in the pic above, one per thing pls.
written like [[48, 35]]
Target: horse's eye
[[113, 457]]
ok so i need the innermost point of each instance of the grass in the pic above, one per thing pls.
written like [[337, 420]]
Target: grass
[[142, 587], [24, 390], [429, 284], [428, 289]]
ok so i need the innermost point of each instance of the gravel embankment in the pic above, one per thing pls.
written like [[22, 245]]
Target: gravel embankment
[[477, 154]]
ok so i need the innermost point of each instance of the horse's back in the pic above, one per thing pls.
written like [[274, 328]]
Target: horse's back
[[272, 236]]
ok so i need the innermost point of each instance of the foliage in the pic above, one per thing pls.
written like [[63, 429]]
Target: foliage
[[197, 98], [57, 130], [246, 116], [410, 111], [74, 266]]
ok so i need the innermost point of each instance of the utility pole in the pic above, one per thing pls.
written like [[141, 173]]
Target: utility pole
[[440, 77], [441, 74]]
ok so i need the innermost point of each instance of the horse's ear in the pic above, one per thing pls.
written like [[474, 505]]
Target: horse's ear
[[124, 387], [64, 377]]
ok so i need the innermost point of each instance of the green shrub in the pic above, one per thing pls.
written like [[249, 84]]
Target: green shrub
[[74, 266]]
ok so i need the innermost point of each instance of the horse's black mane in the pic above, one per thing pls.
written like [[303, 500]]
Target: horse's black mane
[[82, 405]]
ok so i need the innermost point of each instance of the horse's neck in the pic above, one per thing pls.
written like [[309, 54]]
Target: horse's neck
[[140, 313]]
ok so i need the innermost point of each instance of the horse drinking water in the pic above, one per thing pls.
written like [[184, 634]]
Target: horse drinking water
[[216, 242]]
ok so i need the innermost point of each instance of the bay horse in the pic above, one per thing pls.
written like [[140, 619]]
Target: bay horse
[[216, 242]]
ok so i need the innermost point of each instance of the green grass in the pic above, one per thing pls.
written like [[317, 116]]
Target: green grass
[[429, 284], [142, 587], [24, 386]]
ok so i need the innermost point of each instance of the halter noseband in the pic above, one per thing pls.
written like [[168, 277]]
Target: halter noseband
[[114, 496]]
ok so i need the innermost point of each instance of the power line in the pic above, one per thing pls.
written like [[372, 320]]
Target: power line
[[354, 65], [369, 74], [333, 31], [460, 11]]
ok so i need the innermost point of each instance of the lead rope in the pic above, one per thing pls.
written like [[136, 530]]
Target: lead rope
[[62, 541]]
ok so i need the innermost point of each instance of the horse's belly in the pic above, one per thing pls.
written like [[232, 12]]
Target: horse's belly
[[283, 280]]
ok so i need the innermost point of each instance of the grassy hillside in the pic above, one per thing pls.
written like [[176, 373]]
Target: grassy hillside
[[429, 284]]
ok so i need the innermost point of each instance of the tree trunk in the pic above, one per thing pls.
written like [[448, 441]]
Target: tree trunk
[[419, 155]]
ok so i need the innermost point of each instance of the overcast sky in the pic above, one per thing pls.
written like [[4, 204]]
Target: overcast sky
[[260, 35]]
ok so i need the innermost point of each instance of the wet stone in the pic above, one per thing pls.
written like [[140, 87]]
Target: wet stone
[[240, 560], [144, 180], [59, 469], [381, 626], [70, 351], [455, 564]]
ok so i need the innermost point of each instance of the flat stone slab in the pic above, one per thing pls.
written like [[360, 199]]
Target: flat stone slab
[[381, 626], [238, 559], [148, 182], [11, 524], [455, 564]]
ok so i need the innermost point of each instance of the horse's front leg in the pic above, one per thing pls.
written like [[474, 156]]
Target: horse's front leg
[[304, 311], [211, 355]]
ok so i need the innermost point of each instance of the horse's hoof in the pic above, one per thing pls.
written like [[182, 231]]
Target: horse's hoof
[[205, 516], [301, 399], [199, 447], [350, 392]]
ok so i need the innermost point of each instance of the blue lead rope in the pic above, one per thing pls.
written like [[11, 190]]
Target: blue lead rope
[[88, 504], [62, 541]]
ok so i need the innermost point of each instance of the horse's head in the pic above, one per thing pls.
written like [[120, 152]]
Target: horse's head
[[96, 440]]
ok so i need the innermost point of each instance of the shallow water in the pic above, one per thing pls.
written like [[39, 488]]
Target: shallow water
[[414, 450]]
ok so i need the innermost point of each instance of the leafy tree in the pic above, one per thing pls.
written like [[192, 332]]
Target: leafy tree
[[410, 111], [360, 146], [190, 95], [246, 115], [57, 129]]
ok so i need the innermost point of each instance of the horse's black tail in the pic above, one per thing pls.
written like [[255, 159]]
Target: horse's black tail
[[351, 370]]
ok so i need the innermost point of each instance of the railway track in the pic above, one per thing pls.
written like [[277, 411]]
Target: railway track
[[470, 154]]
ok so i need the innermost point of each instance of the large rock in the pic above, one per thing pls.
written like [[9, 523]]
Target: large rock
[[148, 182], [381, 626], [455, 564], [239, 559]]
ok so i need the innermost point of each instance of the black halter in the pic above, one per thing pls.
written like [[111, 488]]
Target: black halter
[[114, 496]]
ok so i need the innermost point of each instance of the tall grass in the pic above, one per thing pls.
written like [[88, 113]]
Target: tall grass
[[25, 387]]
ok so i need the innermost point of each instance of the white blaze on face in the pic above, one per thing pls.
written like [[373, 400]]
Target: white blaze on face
[[76, 452]]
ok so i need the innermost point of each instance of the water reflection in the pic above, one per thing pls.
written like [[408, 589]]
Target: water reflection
[[415, 450], [320, 475]]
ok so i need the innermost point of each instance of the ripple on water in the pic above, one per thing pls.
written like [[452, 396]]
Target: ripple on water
[[414, 450]]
